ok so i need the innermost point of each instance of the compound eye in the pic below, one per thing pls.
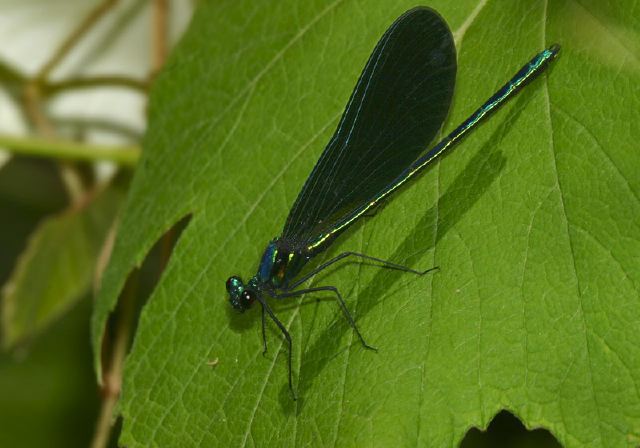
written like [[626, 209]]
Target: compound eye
[[248, 297], [232, 283]]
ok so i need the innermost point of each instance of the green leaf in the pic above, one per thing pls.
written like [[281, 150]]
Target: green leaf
[[49, 397], [533, 222], [56, 269]]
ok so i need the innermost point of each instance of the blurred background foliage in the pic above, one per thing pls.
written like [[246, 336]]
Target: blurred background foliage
[[74, 81]]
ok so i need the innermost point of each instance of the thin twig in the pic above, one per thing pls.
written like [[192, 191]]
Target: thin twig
[[53, 88], [33, 106], [13, 76], [112, 378], [159, 35], [75, 37]]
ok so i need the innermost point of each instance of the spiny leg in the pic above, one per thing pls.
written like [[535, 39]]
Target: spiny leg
[[287, 336], [384, 263], [343, 305]]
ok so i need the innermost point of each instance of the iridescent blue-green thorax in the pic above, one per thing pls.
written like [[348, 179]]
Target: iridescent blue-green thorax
[[278, 265]]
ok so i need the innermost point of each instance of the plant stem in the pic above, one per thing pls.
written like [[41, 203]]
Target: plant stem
[[159, 34], [55, 87], [69, 150], [112, 379], [33, 106]]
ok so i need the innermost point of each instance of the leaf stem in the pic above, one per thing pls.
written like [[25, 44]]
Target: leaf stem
[[69, 150]]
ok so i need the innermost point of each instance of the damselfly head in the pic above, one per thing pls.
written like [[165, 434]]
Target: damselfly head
[[240, 297]]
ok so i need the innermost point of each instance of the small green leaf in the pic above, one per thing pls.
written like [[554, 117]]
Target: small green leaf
[[56, 268], [533, 222]]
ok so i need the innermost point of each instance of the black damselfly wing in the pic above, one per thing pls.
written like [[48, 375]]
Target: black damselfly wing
[[396, 109]]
